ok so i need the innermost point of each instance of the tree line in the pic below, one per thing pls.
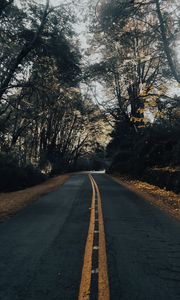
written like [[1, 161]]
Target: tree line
[[47, 124], [45, 121], [138, 65]]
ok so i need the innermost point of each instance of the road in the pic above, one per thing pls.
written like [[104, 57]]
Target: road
[[90, 239]]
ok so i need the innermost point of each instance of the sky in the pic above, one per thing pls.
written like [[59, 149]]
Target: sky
[[80, 28], [53, 2], [56, 2]]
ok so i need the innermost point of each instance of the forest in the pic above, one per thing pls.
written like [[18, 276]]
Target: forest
[[53, 120]]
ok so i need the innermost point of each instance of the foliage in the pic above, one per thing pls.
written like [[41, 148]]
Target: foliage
[[15, 177], [45, 122], [156, 145], [137, 64]]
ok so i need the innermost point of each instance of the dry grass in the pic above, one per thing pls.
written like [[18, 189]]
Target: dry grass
[[166, 200], [12, 202]]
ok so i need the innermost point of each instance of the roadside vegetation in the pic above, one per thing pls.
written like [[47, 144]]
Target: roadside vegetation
[[46, 123], [139, 52], [53, 119], [12, 202], [167, 201]]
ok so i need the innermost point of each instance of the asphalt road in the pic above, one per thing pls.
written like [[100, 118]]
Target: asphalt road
[[43, 249]]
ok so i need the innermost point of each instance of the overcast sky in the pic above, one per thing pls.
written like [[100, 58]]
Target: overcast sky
[[53, 2], [56, 2]]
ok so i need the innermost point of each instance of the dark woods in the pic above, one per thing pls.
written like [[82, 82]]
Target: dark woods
[[48, 125], [139, 65], [45, 124]]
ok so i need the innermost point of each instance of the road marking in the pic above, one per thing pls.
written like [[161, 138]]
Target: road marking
[[87, 271], [85, 285], [103, 283], [95, 247], [95, 271]]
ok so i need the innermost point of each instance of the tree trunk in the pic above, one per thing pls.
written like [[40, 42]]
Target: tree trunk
[[137, 106], [167, 50]]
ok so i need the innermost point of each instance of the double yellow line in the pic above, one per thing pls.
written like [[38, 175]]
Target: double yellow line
[[103, 284]]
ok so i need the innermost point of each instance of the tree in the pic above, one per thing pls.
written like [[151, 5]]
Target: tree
[[165, 40], [30, 41], [4, 4], [136, 70], [49, 124]]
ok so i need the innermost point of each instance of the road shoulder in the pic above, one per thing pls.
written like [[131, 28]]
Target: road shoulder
[[166, 200], [11, 203]]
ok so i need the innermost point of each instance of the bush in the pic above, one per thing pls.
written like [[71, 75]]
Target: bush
[[13, 177]]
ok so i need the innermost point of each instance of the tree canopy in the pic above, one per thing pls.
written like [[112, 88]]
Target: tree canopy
[[138, 65], [50, 115]]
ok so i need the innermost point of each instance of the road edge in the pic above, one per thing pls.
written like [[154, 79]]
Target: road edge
[[152, 199], [11, 203]]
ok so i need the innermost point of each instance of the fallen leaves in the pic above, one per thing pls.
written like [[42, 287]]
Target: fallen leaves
[[166, 200], [12, 202]]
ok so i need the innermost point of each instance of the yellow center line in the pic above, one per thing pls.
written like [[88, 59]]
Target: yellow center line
[[103, 284], [84, 292]]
